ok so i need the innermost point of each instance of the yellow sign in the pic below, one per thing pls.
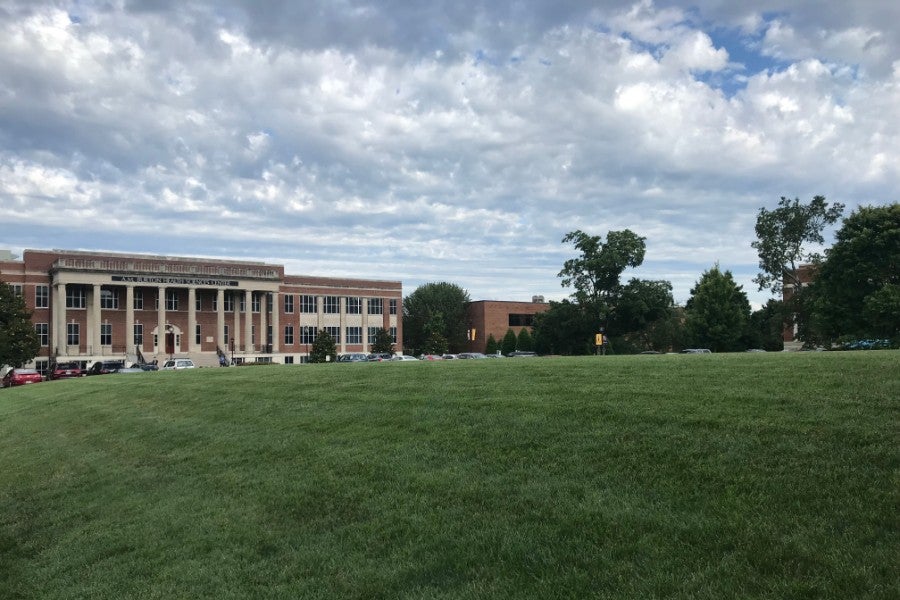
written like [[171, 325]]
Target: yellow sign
[[598, 339]]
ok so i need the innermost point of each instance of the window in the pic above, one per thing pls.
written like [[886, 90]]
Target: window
[[138, 299], [376, 307], [74, 298], [228, 304], [215, 302], [252, 334], [307, 335], [332, 305], [255, 303], [197, 338], [106, 334], [288, 304], [308, 304], [354, 335], [288, 335], [392, 306], [139, 334], [393, 332], [109, 299], [227, 339], [521, 320], [16, 288], [42, 296], [335, 333], [171, 299], [269, 333], [288, 360], [242, 304], [354, 306], [198, 303], [43, 333], [73, 334]]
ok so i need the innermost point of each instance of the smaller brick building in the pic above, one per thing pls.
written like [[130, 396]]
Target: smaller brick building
[[495, 317]]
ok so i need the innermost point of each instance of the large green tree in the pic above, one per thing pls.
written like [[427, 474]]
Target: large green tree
[[595, 274], [323, 349], [19, 342], [435, 311], [717, 312], [644, 315], [787, 238], [857, 289], [384, 343], [564, 328]]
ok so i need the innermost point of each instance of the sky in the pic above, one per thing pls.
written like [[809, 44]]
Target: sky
[[445, 140]]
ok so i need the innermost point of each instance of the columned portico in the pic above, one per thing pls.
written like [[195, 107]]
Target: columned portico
[[248, 320]]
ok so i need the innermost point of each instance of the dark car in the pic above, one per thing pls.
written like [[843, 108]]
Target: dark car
[[105, 367], [379, 357], [20, 377], [65, 370]]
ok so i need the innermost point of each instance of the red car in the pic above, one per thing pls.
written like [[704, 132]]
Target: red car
[[20, 377], [64, 370]]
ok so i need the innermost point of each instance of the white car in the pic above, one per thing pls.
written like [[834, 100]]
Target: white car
[[403, 357], [178, 364]]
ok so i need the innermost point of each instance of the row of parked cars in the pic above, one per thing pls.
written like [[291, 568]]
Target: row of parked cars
[[362, 357], [69, 370]]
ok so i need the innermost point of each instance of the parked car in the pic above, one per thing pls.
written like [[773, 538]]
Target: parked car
[[15, 377], [379, 357], [146, 366], [177, 364], [521, 354], [404, 357], [353, 357], [696, 351], [105, 367], [127, 370], [65, 370], [450, 357], [431, 357], [471, 355]]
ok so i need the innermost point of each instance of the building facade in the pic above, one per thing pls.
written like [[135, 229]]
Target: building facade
[[495, 317], [89, 306]]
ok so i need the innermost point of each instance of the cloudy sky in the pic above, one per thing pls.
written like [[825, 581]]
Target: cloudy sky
[[445, 140]]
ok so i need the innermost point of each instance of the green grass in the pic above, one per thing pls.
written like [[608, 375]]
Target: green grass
[[723, 476]]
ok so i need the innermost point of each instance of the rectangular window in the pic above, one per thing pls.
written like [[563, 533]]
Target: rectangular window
[[73, 334], [228, 304], [308, 305], [198, 302], [393, 332], [256, 303], [138, 299], [354, 335], [42, 296], [332, 305], [252, 334], [373, 331], [376, 306], [521, 320], [288, 335], [109, 299], [43, 333], [335, 333], [139, 335], [354, 306], [197, 339], [392, 306], [307, 335], [106, 334], [16, 288], [288, 304], [74, 297], [171, 299], [288, 360], [242, 304], [227, 339]]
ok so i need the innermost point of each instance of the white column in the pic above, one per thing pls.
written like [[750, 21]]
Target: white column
[[129, 319], [94, 321], [220, 320], [248, 320], [236, 305], [364, 309], [276, 321], [161, 321], [342, 323], [263, 322], [192, 320], [59, 320]]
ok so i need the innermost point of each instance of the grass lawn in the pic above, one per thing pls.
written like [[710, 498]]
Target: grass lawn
[[672, 476]]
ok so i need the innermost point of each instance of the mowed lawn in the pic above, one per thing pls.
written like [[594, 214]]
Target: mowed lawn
[[671, 476]]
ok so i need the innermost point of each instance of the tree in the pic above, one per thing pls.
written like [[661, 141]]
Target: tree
[[857, 288], [384, 343], [491, 346], [766, 327], [323, 349], [564, 328], [19, 342], [644, 314], [596, 272], [717, 312], [524, 342], [435, 310], [509, 342], [783, 239]]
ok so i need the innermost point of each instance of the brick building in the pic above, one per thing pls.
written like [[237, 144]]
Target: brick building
[[495, 317], [89, 306]]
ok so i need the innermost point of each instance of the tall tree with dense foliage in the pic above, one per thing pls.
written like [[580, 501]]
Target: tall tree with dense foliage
[[644, 314], [564, 328], [491, 346], [524, 341], [435, 309], [19, 343], [717, 312], [857, 287], [509, 342], [323, 349], [786, 238], [384, 343], [595, 274], [766, 327]]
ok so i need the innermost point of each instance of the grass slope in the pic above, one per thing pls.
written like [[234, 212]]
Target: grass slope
[[723, 476]]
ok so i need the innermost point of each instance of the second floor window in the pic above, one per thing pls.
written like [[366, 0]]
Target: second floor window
[[332, 305], [376, 306], [171, 299], [43, 333], [42, 296], [288, 304], [74, 298], [308, 304], [109, 299], [354, 306]]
